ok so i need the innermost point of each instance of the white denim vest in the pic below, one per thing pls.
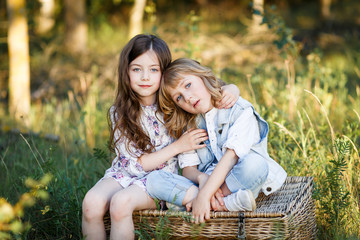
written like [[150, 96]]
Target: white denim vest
[[226, 118]]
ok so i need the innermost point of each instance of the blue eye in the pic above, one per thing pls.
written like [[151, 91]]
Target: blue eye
[[188, 85], [136, 69], [178, 98], [154, 70]]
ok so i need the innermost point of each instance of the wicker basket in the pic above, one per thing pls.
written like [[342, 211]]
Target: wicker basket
[[286, 214]]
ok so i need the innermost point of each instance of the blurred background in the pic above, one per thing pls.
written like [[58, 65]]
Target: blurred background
[[297, 61]]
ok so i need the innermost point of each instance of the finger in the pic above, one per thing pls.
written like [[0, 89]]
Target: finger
[[196, 219], [198, 131], [189, 130], [224, 99], [202, 139], [213, 203], [201, 218], [200, 146], [227, 105], [200, 135], [227, 102], [188, 206], [220, 199], [230, 104], [207, 215]]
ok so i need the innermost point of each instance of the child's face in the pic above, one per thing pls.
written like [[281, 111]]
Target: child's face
[[192, 95], [145, 76]]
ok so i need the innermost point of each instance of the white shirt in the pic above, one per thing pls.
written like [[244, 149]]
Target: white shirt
[[243, 134]]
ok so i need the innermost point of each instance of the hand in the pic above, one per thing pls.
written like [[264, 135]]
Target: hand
[[230, 94], [200, 209], [219, 197], [191, 139], [188, 206]]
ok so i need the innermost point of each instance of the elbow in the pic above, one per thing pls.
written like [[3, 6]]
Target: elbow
[[144, 167], [147, 168]]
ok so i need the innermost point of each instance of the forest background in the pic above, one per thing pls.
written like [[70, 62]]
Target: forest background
[[297, 61]]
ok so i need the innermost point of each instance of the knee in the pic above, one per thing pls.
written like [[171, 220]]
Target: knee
[[250, 172], [120, 206], [94, 206], [255, 167]]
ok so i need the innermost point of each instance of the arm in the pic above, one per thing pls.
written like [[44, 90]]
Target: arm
[[230, 94], [242, 135], [193, 174], [201, 204], [200, 178], [190, 140]]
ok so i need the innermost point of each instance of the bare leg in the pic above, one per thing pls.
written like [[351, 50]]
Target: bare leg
[[94, 207], [190, 194], [122, 206]]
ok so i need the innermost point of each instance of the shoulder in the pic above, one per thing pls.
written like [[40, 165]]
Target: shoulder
[[241, 104], [231, 114]]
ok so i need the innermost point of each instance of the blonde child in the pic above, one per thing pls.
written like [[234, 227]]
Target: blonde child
[[140, 140], [235, 159]]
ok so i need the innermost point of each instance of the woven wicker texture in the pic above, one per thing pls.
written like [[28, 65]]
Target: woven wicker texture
[[288, 213]]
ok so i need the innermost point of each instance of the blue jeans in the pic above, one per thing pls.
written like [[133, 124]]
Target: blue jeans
[[249, 173]]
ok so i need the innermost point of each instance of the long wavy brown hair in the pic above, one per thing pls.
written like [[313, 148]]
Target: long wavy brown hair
[[176, 119], [126, 109]]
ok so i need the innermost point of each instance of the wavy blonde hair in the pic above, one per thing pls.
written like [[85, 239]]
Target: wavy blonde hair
[[176, 119]]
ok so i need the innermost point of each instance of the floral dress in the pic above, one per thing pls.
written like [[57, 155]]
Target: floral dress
[[125, 168]]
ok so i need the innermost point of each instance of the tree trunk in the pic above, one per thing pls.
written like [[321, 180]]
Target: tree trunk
[[19, 60], [45, 20], [136, 18], [258, 6], [75, 26], [325, 9]]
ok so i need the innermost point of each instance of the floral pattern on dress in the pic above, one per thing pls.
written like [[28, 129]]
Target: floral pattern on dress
[[125, 168]]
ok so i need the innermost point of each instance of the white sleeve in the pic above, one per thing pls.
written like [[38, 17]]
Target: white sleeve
[[243, 134], [189, 158]]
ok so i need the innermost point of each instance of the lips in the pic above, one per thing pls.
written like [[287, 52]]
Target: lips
[[196, 103], [145, 86]]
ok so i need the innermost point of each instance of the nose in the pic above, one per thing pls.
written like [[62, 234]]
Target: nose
[[187, 97], [145, 75]]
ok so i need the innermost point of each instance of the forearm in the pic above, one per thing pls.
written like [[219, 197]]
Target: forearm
[[190, 140], [193, 174], [153, 160], [217, 177]]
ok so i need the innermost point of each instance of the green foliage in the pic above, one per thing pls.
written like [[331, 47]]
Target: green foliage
[[73, 174], [276, 24], [191, 25], [331, 190], [11, 217]]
